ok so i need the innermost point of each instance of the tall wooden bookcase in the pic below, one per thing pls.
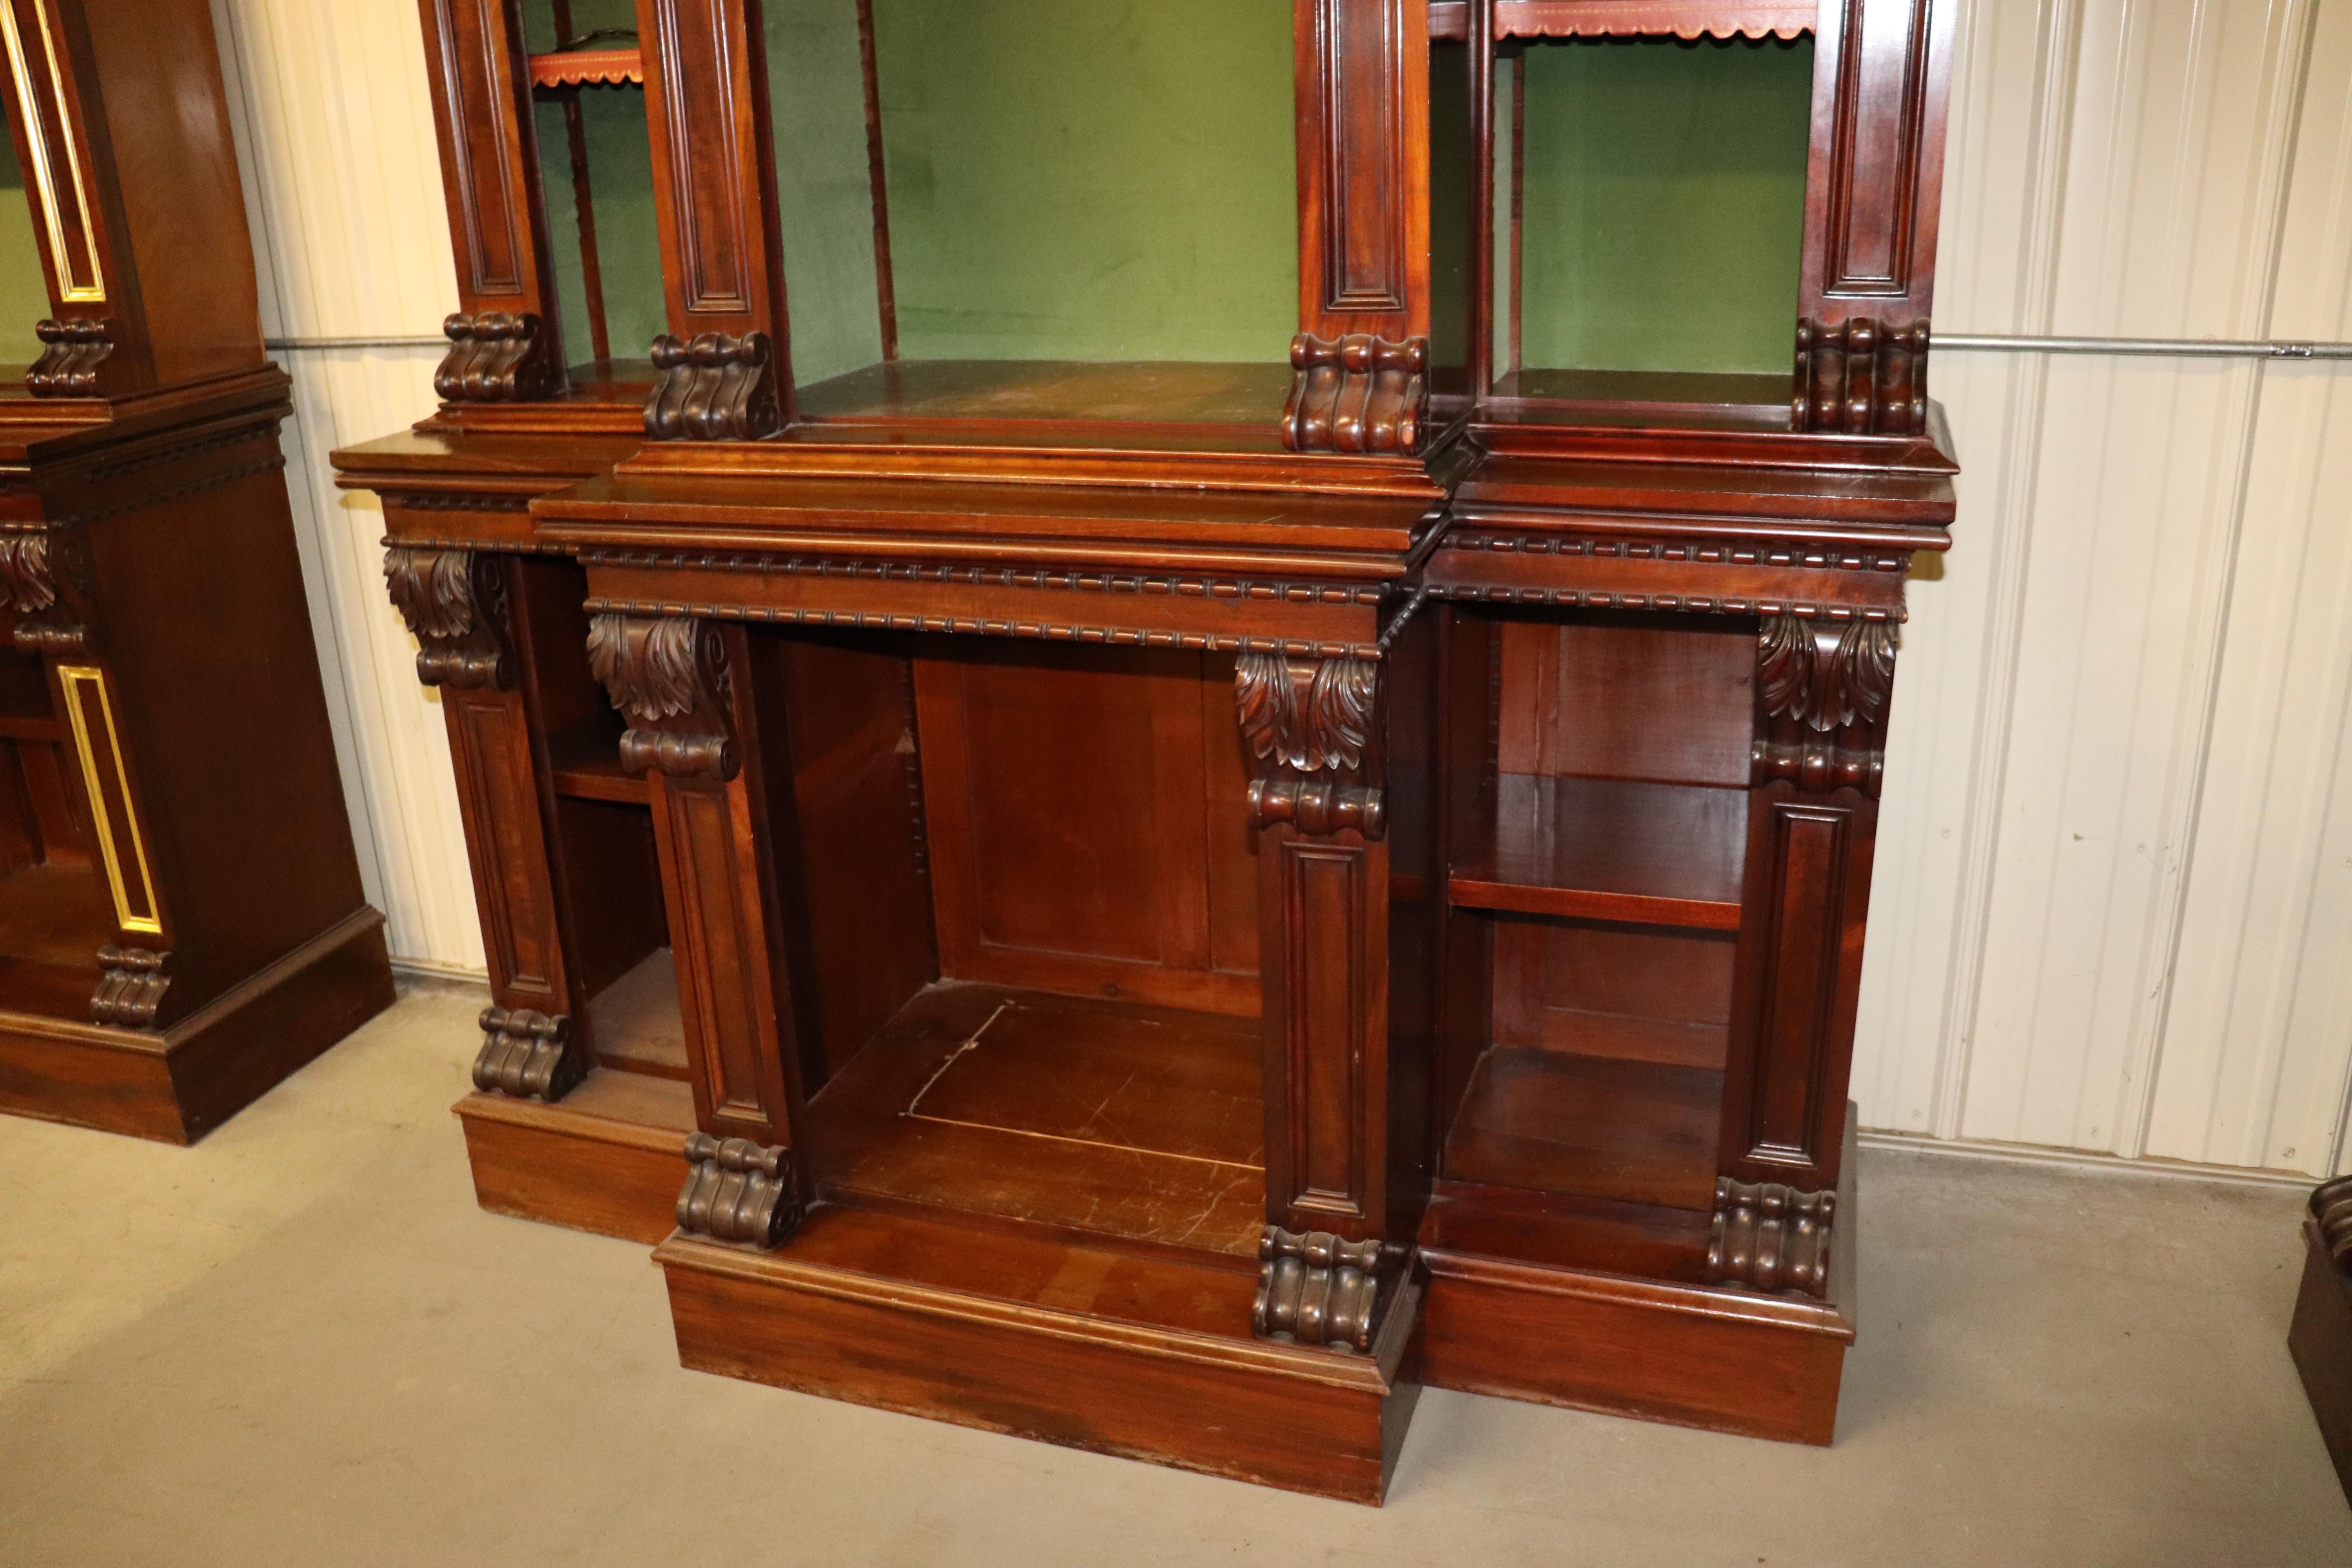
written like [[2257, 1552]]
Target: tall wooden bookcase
[[181, 923], [1243, 807]]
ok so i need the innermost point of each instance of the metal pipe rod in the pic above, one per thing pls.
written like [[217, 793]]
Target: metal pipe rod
[[433, 342], [2183, 348]]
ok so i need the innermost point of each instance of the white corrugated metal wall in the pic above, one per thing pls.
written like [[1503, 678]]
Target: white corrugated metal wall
[[2113, 900]]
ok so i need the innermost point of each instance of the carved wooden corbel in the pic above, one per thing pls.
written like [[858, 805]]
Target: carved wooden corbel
[[455, 601], [29, 560], [714, 387], [1862, 377], [1822, 693], [71, 353], [498, 357], [1312, 728], [1317, 1288], [738, 1192], [668, 677], [131, 987], [1768, 1236], [1356, 393], [528, 1055], [2331, 1207]]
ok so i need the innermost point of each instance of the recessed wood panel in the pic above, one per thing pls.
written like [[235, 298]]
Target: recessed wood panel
[[1082, 839], [1586, 698]]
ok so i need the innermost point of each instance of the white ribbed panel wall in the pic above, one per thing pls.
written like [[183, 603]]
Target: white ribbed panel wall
[[343, 178], [2113, 900]]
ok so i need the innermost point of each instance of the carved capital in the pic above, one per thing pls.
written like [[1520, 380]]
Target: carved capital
[[1768, 1236], [455, 601], [713, 388], [1823, 689], [71, 353], [1317, 1288], [1312, 727], [668, 677], [1356, 393], [530, 1056], [497, 357], [131, 987], [738, 1192], [1862, 377], [28, 580]]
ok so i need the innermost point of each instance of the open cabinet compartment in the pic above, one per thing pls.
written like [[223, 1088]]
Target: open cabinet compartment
[[1027, 905], [597, 171], [1036, 212]]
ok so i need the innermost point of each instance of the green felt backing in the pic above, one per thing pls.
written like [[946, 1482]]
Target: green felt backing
[[1664, 203], [1090, 179], [23, 291]]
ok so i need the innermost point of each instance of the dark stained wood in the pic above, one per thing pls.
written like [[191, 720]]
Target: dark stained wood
[[931, 1318], [606, 1160], [1606, 849], [1589, 1126], [2320, 1337], [878, 179]]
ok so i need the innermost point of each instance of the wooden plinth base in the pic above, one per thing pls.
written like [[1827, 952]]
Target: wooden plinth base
[[176, 1085], [1097, 1347], [2320, 1340], [1713, 1356], [608, 1158]]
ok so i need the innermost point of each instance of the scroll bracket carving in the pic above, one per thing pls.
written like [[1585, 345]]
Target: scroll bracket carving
[[498, 356], [1312, 728], [668, 677], [1823, 689], [1768, 1236], [1317, 1288], [528, 1055], [714, 387], [738, 1192], [131, 987], [455, 601], [1357, 393]]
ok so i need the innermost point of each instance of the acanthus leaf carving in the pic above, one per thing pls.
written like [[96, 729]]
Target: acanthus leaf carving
[[713, 387], [497, 356], [455, 602], [71, 353], [1312, 727], [31, 561], [1356, 393], [669, 677], [1822, 690]]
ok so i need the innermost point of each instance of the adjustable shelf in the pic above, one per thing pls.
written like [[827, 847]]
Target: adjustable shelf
[[1449, 20], [1607, 849], [588, 767], [587, 68]]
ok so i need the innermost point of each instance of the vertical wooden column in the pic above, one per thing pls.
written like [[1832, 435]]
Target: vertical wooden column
[[692, 731], [457, 604], [1312, 727], [1822, 687], [1873, 183], [505, 342], [1362, 354], [724, 366]]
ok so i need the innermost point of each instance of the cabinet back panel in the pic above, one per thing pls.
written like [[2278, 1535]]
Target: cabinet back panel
[[1664, 187], [1646, 697], [1593, 988], [1086, 825]]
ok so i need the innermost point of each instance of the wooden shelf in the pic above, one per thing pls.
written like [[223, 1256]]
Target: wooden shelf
[[588, 767], [1450, 19], [1548, 1121], [587, 68], [1083, 1115], [635, 1022], [1609, 849]]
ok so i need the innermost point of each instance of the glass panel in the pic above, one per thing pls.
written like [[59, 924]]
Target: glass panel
[[24, 290], [607, 272], [1663, 189], [1063, 180]]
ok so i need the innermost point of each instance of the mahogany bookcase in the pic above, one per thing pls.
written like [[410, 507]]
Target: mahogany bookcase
[[181, 923], [1122, 729]]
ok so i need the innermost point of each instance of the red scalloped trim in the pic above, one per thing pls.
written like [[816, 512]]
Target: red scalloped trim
[[588, 67], [1629, 18]]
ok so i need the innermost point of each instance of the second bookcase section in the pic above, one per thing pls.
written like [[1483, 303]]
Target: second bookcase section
[[1598, 819]]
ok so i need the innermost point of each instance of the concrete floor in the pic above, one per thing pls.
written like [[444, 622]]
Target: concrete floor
[[301, 1342]]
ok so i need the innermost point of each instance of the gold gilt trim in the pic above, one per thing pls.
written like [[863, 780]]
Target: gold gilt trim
[[78, 674], [70, 290]]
